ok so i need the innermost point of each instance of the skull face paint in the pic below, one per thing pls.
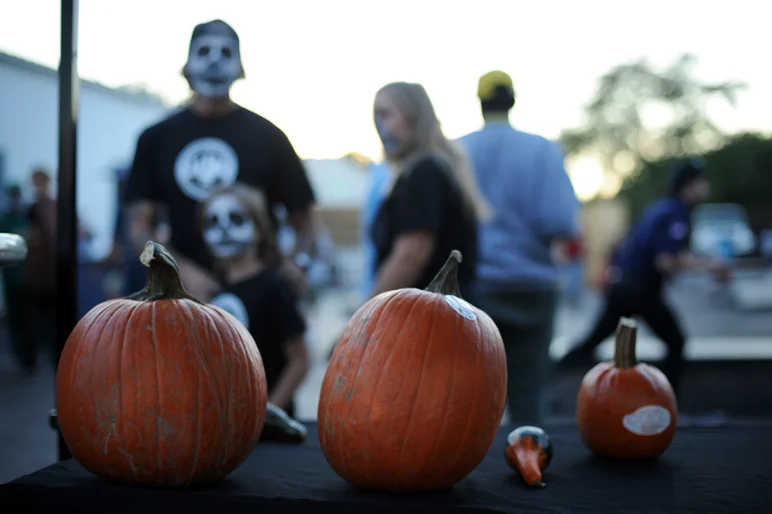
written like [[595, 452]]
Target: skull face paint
[[228, 228], [214, 62]]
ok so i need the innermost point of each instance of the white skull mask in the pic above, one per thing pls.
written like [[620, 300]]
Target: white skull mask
[[228, 228], [214, 64]]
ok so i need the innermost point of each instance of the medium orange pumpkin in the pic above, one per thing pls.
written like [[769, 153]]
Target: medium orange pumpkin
[[159, 389], [625, 409], [414, 391]]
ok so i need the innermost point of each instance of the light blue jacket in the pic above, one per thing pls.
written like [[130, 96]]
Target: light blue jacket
[[524, 179]]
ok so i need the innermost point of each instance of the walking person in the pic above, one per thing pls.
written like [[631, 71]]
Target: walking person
[[523, 179], [654, 250]]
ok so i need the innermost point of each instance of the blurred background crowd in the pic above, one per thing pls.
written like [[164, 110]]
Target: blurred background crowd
[[646, 189]]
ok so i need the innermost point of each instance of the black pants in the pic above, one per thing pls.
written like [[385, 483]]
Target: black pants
[[632, 300]]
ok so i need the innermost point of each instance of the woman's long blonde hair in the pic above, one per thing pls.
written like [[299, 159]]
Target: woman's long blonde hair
[[428, 139], [257, 207]]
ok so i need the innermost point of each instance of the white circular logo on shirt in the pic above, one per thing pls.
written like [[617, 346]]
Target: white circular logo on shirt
[[204, 164], [233, 305]]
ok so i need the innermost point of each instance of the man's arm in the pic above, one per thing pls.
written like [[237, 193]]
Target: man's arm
[[671, 240], [294, 191], [307, 226], [140, 223], [143, 193]]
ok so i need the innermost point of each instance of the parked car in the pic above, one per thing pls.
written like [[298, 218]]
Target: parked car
[[722, 230]]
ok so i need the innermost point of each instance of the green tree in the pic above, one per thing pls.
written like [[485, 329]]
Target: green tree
[[640, 114], [740, 172]]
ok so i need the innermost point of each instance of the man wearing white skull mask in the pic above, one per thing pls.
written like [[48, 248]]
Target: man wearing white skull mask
[[212, 143]]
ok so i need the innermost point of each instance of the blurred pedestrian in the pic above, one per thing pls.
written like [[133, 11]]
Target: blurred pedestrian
[[15, 220], [39, 282], [522, 176], [655, 249], [433, 203], [212, 143], [380, 180]]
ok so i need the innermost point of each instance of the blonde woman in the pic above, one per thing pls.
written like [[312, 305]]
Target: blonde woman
[[433, 205]]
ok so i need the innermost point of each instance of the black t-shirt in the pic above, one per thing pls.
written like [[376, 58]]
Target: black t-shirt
[[179, 160], [428, 198], [267, 306]]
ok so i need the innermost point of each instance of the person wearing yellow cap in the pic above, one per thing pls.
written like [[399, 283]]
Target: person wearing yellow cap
[[522, 176]]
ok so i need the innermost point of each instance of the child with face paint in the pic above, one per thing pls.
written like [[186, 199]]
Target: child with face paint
[[239, 236]]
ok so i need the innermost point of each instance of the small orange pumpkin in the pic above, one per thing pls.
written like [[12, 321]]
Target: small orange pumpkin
[[626, 409], [414, 392], [159, 389]]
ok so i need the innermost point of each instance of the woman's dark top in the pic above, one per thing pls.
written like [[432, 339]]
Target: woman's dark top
[[427, 198], [267, 306]]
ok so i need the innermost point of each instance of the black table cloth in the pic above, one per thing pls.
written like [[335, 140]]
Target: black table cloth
[[706, 471]]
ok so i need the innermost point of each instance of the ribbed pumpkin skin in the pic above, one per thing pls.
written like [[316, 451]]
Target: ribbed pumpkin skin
[[163, 393], [607, 394], [413, 394]]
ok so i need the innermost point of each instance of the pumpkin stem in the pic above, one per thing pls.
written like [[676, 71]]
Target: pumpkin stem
[[624, 351], [163, 276], [446, 281]]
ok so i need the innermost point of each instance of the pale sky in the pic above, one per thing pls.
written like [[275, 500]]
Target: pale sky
[[314, 66]]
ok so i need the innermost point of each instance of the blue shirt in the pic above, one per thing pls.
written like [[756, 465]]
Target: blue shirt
[[663, 228], [380, 176], [524, 180]]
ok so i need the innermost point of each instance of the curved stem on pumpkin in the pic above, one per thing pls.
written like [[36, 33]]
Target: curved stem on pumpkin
[[446, 281], [624, 351], [163, 276]]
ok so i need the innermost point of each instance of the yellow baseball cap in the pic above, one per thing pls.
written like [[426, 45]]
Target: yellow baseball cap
[[488, 83]]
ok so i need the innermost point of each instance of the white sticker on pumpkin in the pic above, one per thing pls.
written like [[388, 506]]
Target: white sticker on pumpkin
[[461, 306], [648, 420]]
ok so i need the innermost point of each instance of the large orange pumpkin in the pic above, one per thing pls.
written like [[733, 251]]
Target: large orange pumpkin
[[159, 389], [414, 391], [626, 409]]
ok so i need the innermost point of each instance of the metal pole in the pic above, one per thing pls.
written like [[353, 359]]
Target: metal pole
[[66, 242]]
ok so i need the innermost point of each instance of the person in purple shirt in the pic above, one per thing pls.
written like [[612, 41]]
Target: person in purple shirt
[[655, 249]]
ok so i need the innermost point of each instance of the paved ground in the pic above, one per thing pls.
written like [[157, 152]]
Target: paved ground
[[718, 327]]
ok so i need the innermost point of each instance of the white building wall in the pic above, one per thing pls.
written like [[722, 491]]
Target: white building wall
[[109, 124]]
